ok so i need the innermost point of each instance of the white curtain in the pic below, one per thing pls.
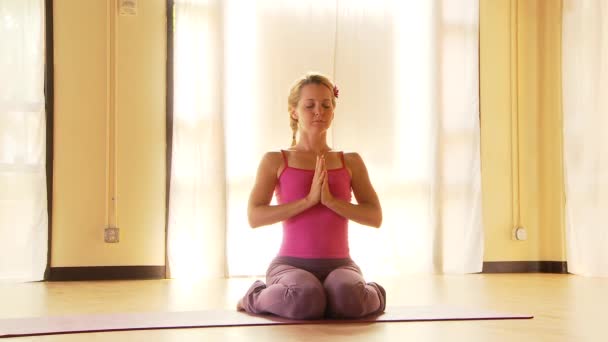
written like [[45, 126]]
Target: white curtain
[[585, 106], [196, 232], [408, 79], [23, 198]]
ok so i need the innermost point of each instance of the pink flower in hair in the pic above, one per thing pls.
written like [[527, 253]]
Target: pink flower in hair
[[336, 91]]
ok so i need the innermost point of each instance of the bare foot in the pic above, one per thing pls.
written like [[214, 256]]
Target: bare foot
[[239, 306]]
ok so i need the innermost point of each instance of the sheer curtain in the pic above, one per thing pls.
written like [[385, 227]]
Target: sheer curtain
[[196, 231], [23, 201], [585, 80], [408, 74]]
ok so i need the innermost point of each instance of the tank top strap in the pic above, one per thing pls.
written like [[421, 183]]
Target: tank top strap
[[284, 154], [342, 158]]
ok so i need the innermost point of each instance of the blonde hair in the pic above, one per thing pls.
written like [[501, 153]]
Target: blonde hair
[[295, 92]]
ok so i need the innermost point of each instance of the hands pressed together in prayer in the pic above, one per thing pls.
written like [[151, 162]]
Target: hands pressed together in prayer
[[319, 189]]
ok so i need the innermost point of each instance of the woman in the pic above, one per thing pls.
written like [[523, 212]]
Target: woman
[[313, 275]]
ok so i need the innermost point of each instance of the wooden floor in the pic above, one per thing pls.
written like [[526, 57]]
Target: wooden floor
[[566, 308]]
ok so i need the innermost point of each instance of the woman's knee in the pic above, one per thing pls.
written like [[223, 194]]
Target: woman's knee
[[347, 295], [344, 282], [305, 301]]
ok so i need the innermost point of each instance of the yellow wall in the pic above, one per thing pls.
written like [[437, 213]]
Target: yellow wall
[[552, 244], [109, 67], [520, 91]]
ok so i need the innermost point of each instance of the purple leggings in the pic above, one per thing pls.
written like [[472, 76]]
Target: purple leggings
[[314, 288]]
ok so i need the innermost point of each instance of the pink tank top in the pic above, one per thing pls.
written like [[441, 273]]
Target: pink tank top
[[317, 232]]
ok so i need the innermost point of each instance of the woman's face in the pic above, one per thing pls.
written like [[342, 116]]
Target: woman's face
[[315, 110]]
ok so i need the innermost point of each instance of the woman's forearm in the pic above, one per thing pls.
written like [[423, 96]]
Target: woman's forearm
[[263, 215], [365, 213]]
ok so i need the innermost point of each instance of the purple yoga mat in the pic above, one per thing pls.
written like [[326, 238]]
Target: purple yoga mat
[[222, 318]]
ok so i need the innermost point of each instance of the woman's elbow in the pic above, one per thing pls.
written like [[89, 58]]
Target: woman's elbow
[[253, 223], [253, 218], [374, 222], [373, 217], [378, 220], [377, 223]]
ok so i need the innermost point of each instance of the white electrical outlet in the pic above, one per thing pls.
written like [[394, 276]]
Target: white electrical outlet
[[127, 7], [110, 235], [520, 234]]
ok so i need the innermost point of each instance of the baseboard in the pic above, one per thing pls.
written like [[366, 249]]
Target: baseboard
[[525, 267], [158, 272], [106, 273]]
